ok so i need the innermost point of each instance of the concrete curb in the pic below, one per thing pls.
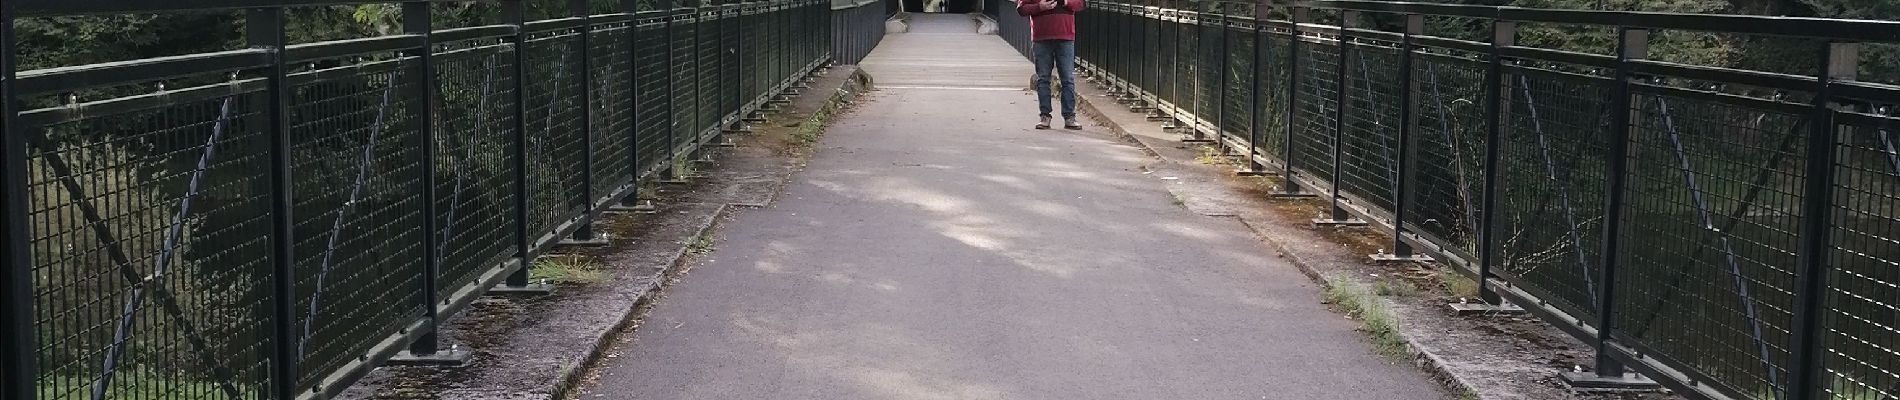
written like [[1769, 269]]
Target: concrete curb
[[1422, 357], [574, 370]]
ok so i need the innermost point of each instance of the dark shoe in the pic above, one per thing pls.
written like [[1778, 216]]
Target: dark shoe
[[1044, 124], [1071, 124]]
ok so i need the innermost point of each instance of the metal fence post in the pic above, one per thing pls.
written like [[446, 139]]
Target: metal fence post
[[17, 375], [584, 234], [1632, 44], [513, 13], [1497, 110], [416, 21], [1408, 159], [265, 29], [1192, 117], [1260, 48], [1220, 87], [1289, 185], [671, 126], [1336, 214], [1839, 62], [630, 201]]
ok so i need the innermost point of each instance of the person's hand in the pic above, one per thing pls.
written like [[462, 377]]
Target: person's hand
[[1048, 5]]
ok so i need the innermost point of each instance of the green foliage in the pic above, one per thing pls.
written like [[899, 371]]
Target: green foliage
[[1879, 63]]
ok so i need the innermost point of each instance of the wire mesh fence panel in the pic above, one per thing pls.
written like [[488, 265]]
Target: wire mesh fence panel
[[706, 73], [356, 169], [556, 187], [1274, 76], [1237, 95], [732, 88], [1201, 44], [1152, 47], [1451, 136], [652, 70], [1863, 312], [1210, 65], [749, 46], [1712, 209], [1186, 57], [1316, 105], [475, 189], [1369, 145], [1550, 183], [149, 245], [612, 103], [686, 93], [1167, 49]]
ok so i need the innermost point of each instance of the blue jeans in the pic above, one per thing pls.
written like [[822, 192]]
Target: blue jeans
[[1058, 55]]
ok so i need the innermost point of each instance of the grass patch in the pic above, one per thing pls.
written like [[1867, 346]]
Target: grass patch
[[1390, 288], [700, 245], [567, 269], [808, 132], [1210, 155], [1457, 285], [1374, 319], [684, 168]]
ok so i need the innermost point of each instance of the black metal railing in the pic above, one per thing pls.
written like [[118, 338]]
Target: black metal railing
[[1728, 232], [272, 222], [858, 28], [1013, 28]]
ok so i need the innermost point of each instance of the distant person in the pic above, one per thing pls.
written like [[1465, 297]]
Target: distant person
[[1052, 28]]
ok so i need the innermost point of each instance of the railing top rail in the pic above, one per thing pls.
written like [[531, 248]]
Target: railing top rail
[[46, 8], [1834, 29], [1852, 30]]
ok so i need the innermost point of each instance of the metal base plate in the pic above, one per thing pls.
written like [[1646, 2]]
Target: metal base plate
[[1466, 309], [1590, 382], [1398, 258], [540, 289], [1338, 222], [1194, 140], [1298, 195], [726, 143], [1249, 172], [453, 357]]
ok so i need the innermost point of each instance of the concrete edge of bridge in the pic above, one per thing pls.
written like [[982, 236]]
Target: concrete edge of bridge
[[1465, 370], [553, 350]]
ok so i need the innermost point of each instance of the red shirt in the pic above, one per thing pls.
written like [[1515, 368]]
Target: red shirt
[[1052, 24]]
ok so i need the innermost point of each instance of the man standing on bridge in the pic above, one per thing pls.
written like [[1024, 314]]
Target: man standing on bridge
[[1052, 28]]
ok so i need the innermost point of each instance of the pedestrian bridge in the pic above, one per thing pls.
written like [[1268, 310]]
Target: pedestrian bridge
[[278, 219]]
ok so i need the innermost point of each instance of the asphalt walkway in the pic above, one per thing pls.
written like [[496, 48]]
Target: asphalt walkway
[[937, 247]]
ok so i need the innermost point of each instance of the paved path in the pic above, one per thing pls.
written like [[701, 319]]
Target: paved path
[[938, 248]]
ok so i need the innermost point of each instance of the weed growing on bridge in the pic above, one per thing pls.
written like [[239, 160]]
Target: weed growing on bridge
[[1375, 320], [1458, 286], [567, 268]]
